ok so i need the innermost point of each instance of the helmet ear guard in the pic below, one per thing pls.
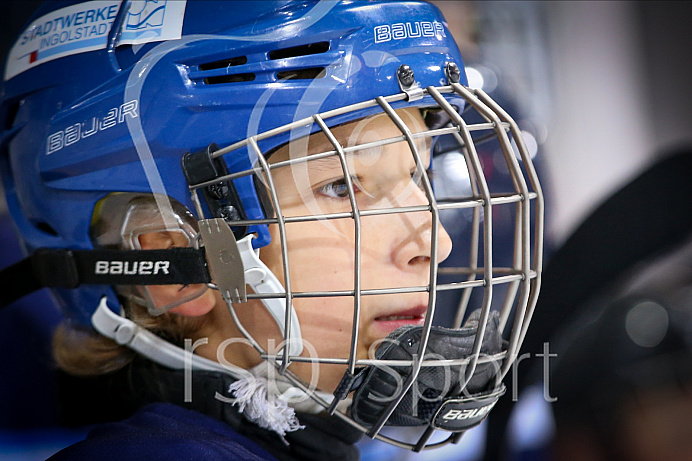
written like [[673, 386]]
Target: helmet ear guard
[[131, 221]]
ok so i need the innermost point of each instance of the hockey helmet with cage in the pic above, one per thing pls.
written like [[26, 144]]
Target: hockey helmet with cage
[[184, 101]]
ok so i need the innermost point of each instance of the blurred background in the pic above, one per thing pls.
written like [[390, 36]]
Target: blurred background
[[602, 93]]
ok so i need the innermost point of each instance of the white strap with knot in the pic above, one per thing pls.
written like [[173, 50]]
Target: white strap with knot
[[267, 406]]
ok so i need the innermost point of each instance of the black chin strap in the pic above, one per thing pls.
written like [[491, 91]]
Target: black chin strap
[[72, 268]]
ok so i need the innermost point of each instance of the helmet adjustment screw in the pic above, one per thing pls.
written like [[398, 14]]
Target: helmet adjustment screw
[[405, 75], [408, 84], [229, 213], [453, 72], [218, 191]]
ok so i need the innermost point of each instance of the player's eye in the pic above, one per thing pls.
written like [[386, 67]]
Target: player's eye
[[337, 189]]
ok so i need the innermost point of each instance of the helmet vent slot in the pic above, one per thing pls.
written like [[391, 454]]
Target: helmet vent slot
[[310, 73], [234, 78], [301, 50], [241, 69], [237, 61]]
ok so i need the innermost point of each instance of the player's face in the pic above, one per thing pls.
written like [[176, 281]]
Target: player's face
[[395, 248]]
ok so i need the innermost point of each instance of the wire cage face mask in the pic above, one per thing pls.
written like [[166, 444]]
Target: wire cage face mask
[[364, 234]]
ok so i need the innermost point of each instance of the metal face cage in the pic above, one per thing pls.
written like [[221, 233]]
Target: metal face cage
[[472, 280]]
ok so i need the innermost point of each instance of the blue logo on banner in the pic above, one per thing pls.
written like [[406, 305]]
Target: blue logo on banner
[[146, 15]]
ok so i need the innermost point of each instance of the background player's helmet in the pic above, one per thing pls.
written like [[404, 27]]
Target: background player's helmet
[[184, 102]]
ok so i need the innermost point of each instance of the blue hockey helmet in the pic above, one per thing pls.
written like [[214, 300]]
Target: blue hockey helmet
[[91, 108]]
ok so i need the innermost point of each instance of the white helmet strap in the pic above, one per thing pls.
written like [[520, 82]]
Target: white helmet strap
[[263, 281]]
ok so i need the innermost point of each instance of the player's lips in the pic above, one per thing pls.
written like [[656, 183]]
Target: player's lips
[[410, 316]]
